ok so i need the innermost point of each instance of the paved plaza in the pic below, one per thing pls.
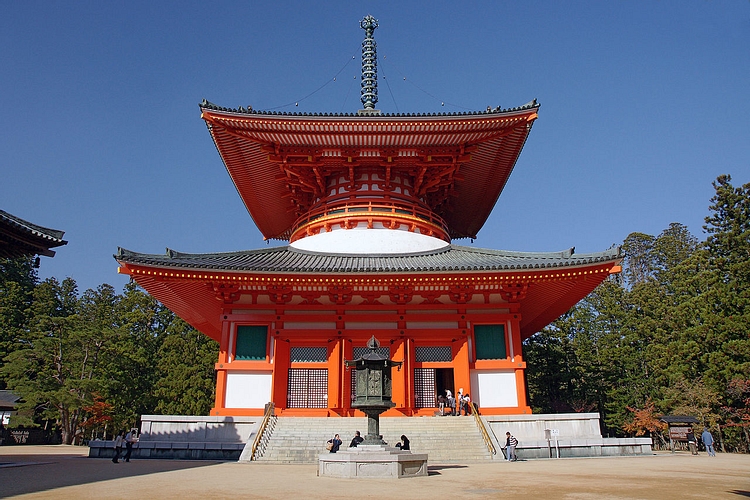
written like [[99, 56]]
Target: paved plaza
[[65, 472]]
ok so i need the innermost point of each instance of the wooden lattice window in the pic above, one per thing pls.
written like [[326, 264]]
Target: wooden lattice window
[[309, 354], [425, 394], [432, 353], [308, 388]]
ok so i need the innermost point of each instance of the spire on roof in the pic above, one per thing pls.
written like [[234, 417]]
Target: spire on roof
[[369, 64]]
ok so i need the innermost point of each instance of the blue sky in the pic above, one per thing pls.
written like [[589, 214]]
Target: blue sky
[[643, 105]]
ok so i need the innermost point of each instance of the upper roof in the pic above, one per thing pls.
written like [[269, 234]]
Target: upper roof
[[20, 238], [485, 147]]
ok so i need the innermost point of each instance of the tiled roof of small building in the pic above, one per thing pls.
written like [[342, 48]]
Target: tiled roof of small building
[[286, 259], [19, 237]]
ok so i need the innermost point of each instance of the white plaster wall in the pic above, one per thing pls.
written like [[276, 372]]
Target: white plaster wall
[[248, 389], [299, 325], [372, 241], [370, 325], [494, 389], [451, 325]]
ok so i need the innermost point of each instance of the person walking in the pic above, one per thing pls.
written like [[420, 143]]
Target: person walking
[[708, 442], [118, 447], [510, 445], [130, 439]]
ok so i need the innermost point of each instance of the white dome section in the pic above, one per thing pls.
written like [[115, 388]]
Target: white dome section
[[369, 241]]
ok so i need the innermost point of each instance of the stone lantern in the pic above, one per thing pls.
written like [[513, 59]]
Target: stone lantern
[[373, 388], [372, 457]]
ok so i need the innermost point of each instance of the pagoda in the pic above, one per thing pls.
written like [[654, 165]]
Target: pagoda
[[370, 204]]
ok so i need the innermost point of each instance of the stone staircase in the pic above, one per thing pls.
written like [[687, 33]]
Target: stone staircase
[[444, 439]]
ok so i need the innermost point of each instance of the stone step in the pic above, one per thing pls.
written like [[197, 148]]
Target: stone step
[[444, 439]]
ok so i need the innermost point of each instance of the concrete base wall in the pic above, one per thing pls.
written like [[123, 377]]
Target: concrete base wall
[[223, 438], [187, 437], [372, 461], [578, 435]]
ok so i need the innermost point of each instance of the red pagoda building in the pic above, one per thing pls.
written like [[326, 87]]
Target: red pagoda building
[[370, 204]]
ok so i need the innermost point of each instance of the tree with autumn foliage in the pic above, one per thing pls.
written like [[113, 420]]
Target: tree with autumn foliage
[[646, 421]]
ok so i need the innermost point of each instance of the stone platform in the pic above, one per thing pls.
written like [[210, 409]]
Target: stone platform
[[372, 461]]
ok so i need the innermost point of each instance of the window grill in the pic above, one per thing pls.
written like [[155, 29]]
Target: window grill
[[425, 394], [309, 354], [308, 388], [433, 353]]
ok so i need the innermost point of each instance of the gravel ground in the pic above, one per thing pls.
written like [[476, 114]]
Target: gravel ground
[[65, 472]]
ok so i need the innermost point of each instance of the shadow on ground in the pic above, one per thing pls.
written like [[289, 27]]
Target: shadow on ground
[[22, 474], [441, 467]]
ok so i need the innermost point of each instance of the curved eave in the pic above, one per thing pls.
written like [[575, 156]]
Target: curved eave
[[187, 283], [242, 139], [22, 238]]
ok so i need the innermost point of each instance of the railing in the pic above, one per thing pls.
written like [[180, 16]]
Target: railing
[[366, 209], [262, 429], [482, 428]]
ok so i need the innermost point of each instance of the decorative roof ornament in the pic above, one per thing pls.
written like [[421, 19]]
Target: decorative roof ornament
[[369, 90]]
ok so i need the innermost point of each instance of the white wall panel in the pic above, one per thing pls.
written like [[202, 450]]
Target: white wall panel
[[248, 389], [494, 389]]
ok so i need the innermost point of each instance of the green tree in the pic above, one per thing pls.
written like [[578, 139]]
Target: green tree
[[187, 378], [18, 278], [727, 356], [132, 376], [70, 341]]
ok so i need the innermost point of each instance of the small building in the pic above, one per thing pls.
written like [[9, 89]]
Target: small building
[[679, 426], [8, 404], [19, 238]]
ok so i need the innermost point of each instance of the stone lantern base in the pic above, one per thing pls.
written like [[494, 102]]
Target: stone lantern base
[[372, 461]]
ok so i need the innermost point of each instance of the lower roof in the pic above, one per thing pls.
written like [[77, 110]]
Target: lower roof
[[287, 259], [188, 284]]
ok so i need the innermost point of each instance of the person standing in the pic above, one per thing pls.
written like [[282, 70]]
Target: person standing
[[451, 401], [130, 438], [118, 447], [441, 405], [692, 445], [708, 442], [356, 440], [467, 404], [510, 445]]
